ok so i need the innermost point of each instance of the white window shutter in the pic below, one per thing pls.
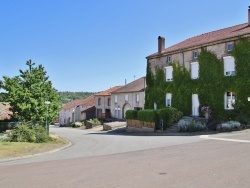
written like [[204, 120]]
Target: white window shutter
[[137, 98], [194, 70], [115, 98], [169, 73], [126, 97], [229, 66]]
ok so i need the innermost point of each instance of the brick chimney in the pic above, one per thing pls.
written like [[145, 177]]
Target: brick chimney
[[248, 15], [161, 44]]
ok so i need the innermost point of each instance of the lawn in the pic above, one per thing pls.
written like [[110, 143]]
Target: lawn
[[19, 149]]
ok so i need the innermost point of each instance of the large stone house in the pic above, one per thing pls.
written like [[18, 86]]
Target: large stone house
[[129, 97], [77, 110], [220, 42], [103, 102]]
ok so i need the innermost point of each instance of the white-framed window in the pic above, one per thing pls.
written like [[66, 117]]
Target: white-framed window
[[116, 98], [137, 99], [195, 54], [229, 100], [194, 70], [169, 73], [229, 66], [126, 98], [169, 59], [230, 47], [168, 99]]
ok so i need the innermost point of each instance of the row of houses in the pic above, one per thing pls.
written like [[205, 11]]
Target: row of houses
[[111, 103], [115, 101]]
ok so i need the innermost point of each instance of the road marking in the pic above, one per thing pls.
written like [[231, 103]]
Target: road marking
[[224, 139]]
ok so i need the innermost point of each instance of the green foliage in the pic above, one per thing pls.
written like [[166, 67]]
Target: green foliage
[[149, 91], [67, 96], [148, 115], [25, 133], [131, 114], [94, 121], [28, 92], [169, 116]]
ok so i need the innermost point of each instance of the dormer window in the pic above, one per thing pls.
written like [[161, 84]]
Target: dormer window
[[230, 47], [169, 59], [195, 54]]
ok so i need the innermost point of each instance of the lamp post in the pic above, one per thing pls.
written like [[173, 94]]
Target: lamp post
[[47, 127]]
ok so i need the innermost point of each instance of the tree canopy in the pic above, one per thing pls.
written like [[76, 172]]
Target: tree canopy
[[28, 92]]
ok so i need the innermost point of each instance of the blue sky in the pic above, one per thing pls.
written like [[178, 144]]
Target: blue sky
[[92, 45]]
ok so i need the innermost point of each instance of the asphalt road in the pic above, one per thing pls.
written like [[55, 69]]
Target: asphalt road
[[130, 160]]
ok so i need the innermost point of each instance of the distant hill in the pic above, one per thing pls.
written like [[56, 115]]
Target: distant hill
[[67, 96]]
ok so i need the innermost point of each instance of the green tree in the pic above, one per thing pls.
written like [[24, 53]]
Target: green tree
[[28, 92]]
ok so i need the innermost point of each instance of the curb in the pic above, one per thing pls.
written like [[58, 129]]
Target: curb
[[38, 154]]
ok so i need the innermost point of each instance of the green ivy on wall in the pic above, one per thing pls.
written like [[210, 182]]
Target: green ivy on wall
[[211, 85]]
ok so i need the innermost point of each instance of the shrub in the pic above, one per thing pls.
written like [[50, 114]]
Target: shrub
[[191, 126], [22, 133], [27, 133], [131, 114], [229, 126], [94, 121], [41, 135], [148, 115], [169, 116]]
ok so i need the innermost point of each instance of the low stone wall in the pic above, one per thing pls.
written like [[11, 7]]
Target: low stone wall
[[90, 125], [140, 126]]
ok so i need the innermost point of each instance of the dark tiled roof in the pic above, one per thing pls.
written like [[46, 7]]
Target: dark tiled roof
[[206, 38], [108, 91], [137, 85], [89, 101]]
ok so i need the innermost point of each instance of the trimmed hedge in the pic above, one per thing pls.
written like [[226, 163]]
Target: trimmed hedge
[[148, 115], [131, 114], [169, 116]]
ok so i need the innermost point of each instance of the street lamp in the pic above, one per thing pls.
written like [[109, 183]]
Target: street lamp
[[47, 104]]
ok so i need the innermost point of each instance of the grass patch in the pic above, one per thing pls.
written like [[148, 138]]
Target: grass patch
[[19, 149]]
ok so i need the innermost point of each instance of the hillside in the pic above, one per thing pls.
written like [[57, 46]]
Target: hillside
[[67, 96]]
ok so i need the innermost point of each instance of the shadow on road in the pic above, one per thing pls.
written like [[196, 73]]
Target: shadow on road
[[122, 132]]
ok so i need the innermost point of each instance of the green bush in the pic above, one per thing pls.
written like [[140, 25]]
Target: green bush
[[169, 116], [148, 115], [131, 114], [41, 135], [94, 121], [27, 133], [22, 133]]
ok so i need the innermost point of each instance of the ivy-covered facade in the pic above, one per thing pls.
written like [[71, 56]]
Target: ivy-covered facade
[[212, 69]]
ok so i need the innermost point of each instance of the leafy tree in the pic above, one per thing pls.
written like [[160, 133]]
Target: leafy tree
[[28, 92]]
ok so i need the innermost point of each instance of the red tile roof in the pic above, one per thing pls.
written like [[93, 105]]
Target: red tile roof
[[206, 38], [135, 86], [108, 91], [89, 101]]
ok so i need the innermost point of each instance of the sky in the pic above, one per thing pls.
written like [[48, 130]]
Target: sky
[[92, 45]]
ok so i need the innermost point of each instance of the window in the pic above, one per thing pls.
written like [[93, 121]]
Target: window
[[126, 98], [137, 98], [229, 100], [116, 98], [229, 66], [169, 59], [168, 99], [99, 101], [230, 47], [108, 101], [194, 70], [195, 54], [169, 73]]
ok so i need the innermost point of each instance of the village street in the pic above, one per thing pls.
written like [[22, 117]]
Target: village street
[[118, 159]]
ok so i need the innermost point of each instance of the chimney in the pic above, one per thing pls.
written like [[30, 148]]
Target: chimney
[[161, 44], [248, 15]]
